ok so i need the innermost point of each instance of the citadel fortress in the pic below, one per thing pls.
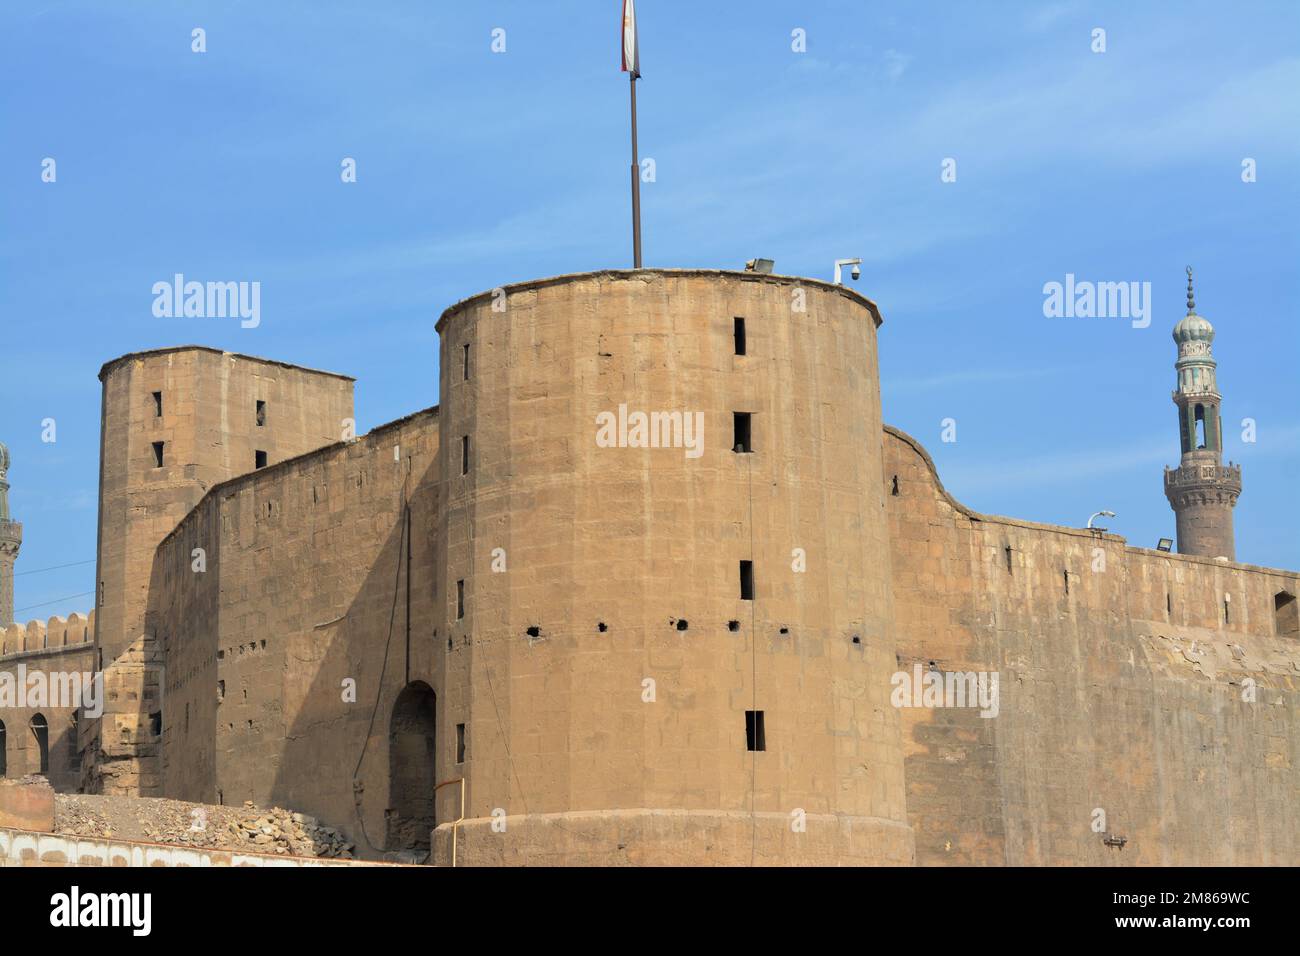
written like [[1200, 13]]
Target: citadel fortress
[[478, 630]]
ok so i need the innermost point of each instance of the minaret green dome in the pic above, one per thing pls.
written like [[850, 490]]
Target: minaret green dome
[[1192, 327], [4, 459]]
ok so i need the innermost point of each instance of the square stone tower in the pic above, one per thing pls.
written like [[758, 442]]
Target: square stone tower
[[174, 423]]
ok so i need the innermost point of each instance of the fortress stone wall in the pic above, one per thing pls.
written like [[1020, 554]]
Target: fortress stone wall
[[1124, 688], [53, 647], [493, 629], [285, 656]]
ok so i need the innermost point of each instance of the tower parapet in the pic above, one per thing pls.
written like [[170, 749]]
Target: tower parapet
[[1201, 490]]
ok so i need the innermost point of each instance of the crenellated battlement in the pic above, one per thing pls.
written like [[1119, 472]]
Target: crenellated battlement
[[53, 633]]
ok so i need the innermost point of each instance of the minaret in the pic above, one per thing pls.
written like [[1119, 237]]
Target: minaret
[[1201, 490], [11, 539]]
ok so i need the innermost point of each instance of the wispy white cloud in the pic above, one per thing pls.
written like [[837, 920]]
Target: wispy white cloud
[[1035, 471], [983, 376], [1002, 474], [896, 64], [1045, 16]]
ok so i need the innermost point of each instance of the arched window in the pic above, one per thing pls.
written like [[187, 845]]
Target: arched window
[[1200, 426], [41, 731], [3, 749]]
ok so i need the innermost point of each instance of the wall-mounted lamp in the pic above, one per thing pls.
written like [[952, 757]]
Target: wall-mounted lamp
[[1099, 514]]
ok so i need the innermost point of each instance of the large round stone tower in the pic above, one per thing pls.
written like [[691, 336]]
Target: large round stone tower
[[1201, 490], [667, 600]]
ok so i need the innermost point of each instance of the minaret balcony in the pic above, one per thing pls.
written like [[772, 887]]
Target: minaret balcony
[[1196, 473]]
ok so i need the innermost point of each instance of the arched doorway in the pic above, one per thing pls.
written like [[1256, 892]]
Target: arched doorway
[[41, 731], [411, 769]]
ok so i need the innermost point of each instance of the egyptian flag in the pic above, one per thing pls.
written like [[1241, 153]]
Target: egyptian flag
[[631, 50]]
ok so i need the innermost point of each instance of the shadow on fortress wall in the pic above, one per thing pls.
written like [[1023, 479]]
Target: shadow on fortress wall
[[334, 762]]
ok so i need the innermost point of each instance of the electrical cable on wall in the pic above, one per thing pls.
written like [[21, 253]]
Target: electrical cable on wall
[[379, 690]]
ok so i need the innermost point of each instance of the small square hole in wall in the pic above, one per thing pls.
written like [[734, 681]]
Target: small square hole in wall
[[460, 743], [741, 434], [158, 454], [755, 733], [261, 413], [259, 459], [157, 404]]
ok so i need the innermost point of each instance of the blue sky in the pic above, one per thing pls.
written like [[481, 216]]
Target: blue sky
[[476, 169]]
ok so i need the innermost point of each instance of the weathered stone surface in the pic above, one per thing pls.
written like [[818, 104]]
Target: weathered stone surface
[[26, 804], [1123, 695]]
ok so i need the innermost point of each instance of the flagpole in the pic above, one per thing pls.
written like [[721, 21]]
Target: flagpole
[[636, 182]]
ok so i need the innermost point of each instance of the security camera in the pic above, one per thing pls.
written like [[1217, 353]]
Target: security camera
[[856, 273], [841, 263]]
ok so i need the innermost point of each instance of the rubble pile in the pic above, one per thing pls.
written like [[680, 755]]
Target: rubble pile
[[176, 822]]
